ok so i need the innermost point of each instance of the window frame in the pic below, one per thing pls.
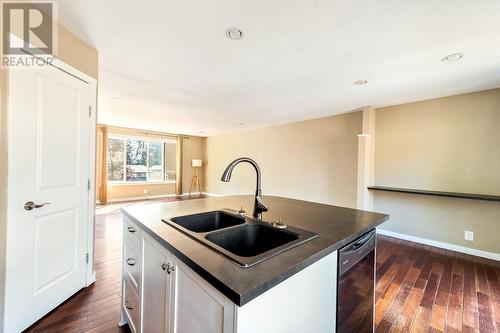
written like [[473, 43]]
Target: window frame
[[124, 181]]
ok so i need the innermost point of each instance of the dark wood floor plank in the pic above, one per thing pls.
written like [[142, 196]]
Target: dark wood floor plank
[[430, 292], [495, 295], [438, 318], [421, 321], [392, 313], [470, 310], [486, 318], [454, 316], [481, 281], [443, 292]]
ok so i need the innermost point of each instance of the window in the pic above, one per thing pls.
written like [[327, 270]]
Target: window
[[141, 160]]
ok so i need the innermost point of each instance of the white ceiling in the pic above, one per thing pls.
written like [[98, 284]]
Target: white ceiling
[[167, 65]]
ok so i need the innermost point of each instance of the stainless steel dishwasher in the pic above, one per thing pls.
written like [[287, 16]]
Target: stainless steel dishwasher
[[356, 285]]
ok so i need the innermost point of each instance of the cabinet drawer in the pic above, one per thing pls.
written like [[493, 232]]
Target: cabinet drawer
[[131, 232], [131, 306], [132, 265]]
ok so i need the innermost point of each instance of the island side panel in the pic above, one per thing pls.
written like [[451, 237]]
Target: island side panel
[[305, 302]]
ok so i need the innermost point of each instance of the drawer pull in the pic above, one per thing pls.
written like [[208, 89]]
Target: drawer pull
[[128, 306], [131, 229], [131, 262]]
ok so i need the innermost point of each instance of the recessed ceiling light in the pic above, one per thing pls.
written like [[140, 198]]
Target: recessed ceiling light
[[241, 124], [360, 82], [453, 57], [234, 33], [201, 132], [116, 98]]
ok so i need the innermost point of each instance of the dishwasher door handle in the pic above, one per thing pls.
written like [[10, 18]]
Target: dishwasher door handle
[[359, 244], [355, 252]]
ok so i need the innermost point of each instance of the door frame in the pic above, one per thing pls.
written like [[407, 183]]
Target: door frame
[[92, 82]]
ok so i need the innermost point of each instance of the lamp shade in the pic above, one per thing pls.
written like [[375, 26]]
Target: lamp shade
[[196, 163]]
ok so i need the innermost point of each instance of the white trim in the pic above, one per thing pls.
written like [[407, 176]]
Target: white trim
[[447, 246], [142, 198], [118, 183], [208, 194], [141, 137], [162, 196]]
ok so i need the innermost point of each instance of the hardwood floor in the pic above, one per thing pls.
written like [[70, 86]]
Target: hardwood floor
[[418, 288], [425, 289]]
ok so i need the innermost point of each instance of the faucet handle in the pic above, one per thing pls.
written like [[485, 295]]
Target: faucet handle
[[279, 224], [241, 212]]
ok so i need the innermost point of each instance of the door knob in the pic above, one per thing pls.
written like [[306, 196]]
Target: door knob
[[30, 205]]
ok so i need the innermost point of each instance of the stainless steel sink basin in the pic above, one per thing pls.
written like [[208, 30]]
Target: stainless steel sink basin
[[243, 240], [209, 221]]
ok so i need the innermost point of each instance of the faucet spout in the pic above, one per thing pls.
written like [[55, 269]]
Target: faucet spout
[[259, 206]]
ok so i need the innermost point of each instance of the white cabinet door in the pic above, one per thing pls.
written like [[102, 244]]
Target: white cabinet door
[[156, 288], [49, 167], [199, 308]]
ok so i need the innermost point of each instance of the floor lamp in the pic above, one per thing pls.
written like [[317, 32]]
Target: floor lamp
[[195, 182]]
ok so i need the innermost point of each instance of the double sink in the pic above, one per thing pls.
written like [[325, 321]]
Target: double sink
[[243, 240]]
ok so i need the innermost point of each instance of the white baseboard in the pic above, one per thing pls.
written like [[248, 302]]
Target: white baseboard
[[208, 194], [447, 246], [142, 198]]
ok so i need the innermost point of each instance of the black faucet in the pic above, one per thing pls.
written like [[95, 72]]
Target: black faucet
[[258, 207]]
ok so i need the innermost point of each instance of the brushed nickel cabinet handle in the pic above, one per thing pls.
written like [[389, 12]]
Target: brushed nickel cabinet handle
[[131, 262], [128, 306], [165, 266], [170, 268], [131, 229]]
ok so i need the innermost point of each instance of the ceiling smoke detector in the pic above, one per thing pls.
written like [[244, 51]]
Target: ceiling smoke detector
[[453, 57], [360, 82], [234, 33]]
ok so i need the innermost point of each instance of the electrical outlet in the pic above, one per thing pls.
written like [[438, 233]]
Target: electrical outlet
[[469, 235]]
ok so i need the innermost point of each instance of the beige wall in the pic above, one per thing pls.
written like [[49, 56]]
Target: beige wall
[[75, 52], [444, 144], [192, 148], [313, 160], [136, 191]]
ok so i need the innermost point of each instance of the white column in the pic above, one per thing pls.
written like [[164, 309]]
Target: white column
[[366, 159]]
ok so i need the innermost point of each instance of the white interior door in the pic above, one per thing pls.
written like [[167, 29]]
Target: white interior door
[[49, 151]]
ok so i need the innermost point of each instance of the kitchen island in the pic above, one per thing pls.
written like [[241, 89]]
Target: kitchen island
[[174, 283]]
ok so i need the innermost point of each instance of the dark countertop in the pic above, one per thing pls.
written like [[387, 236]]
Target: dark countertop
[[336, 227]]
